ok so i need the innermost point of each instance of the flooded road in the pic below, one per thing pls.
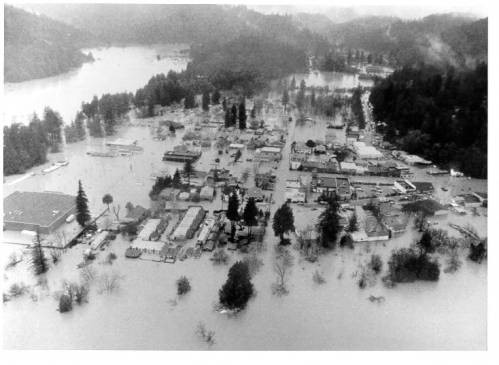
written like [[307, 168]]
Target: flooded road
[[145, 313], [115, 69]]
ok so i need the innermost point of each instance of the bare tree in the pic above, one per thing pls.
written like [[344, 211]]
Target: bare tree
[[109, 282], [116, 212], [206, 335], [282, 265]]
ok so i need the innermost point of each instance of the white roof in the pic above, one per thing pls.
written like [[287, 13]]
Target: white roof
[[186, 222], [271, 149], [122, 142], [98, 239], [236, 145], [147, 245], [148, 229], [207, 227], [348, 165]]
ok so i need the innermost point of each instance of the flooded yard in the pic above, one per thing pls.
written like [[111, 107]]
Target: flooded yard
[[144, 313]]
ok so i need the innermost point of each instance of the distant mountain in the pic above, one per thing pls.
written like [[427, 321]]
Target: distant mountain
[[444, 39], [161, 23], [36, 46]]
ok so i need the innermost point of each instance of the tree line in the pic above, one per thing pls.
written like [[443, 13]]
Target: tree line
[[439, 115]]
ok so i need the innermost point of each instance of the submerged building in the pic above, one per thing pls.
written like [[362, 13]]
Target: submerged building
[[32, 211]]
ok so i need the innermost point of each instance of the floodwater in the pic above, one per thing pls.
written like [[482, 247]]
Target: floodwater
[[115, 69], [145, 313]]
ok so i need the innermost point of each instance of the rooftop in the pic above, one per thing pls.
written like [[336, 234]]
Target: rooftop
[[41, 208]]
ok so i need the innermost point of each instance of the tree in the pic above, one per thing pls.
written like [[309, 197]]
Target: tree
[[228, 117], [285, 98], [478, 251], [253, 112], [233, 117], [237, 155], [353, 225], [38, 260], [188, 170], [242, 115], [310, 144], [249, 214], [183, 285], [233, 212], [293, 83], [215, 97], [107, 199], [224, 104], [238, 288], [283, 262], [329, 224], [206, 101], [425, 244], [190, 100], [176, 182], [283, 222], [82, 211]]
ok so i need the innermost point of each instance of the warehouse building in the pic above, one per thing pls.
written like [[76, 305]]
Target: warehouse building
[[32, 211], [189, 224]]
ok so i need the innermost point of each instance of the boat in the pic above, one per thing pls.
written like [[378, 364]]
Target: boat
[[101, 154], [62, 163], [50, 169]]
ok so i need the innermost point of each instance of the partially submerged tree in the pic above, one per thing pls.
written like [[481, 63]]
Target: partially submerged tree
[[238, 288], [82, 211], [183, 285], [38, 262], [188, 170], [206, 101], [249, 214], [284, 222], [108, 200], [353, 225], [233, 212], [282, 265], [329, 224]]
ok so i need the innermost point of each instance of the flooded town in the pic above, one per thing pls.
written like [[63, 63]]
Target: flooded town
[[183, 210]]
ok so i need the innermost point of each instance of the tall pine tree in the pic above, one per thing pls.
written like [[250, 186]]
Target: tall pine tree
[[242, 115], [82, 212]]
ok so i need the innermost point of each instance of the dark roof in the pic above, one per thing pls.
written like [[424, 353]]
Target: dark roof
[[37, 208], [423, 185]]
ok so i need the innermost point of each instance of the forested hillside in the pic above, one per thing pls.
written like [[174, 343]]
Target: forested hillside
[[441, 40], [36, 46], [442, 116]]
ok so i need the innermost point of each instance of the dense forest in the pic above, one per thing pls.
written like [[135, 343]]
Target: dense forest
[[442, 116], [441, 40], [27, 146], [36, 46]]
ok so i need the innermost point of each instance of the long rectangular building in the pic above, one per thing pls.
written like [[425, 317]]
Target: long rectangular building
[[189, 224], [32, 211]]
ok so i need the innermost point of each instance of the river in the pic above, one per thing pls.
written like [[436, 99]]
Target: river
[[115, 69], [145, 313]]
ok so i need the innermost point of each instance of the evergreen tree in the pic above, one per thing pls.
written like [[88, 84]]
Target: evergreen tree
[[215, 97], [82, 211], [242, 115], [53, 125], [228, 117], [284, 221], [353, 225], [329, 224], [176, 183], [253, 112], [233, 212], [293, 83], [312, 98], [238, 288], [188, 170], [249, 214], [233, 117], [285, 98], [190, 100], [38, 261], [224, 104], [206, 101]]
